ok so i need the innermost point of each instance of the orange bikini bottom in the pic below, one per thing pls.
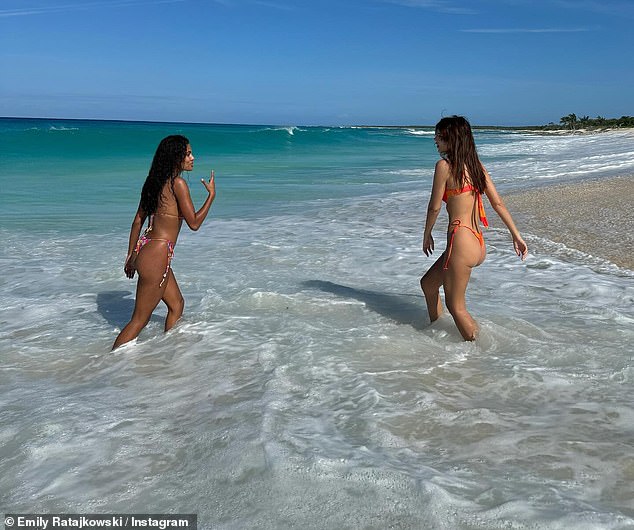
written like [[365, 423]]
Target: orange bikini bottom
[[457, 224]]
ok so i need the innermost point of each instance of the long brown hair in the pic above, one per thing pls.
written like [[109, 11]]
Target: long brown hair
[[461, 153], [166, 165]]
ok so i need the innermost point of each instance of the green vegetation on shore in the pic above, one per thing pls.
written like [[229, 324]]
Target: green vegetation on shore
[[572, 123]]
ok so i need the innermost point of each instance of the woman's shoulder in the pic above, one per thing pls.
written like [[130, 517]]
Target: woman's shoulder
[[443, 167], [179, 184]]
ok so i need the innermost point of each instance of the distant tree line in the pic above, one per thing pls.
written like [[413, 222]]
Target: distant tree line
[[571, 121]]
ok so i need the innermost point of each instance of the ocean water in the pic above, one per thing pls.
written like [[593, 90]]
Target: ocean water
[[305, 387]]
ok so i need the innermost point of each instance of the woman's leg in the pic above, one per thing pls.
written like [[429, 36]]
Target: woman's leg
[[173, 300], [455, 287], [466, 254], [430, 283], [150, 264]]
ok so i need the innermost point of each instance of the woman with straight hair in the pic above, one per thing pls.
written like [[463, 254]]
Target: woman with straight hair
[[460, 180], [165, 202]]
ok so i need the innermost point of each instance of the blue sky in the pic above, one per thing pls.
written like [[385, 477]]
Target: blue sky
[[317, 62]]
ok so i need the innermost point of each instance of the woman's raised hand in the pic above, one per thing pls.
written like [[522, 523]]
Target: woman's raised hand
[[211, 185]]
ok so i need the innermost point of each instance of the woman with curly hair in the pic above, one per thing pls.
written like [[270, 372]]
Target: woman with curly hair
[[460, 179], [165, 202]]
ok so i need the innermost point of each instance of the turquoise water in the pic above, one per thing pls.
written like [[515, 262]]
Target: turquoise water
[[258, 168], [305, 386]]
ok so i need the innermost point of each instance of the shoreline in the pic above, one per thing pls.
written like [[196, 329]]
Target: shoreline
[[591, 216]]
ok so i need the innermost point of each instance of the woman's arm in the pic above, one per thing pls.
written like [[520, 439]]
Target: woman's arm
[[441, 174], [521, 249], [135, 231], [193, 218]]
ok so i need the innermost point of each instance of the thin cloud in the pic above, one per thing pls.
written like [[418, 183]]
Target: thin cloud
[[527, 30], [29, 11], [442, 6]]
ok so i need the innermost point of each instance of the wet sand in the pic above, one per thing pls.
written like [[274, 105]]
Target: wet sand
[[593, 216]]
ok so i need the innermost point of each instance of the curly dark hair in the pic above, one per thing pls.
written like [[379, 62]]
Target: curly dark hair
[[461, 151], [166, 165]]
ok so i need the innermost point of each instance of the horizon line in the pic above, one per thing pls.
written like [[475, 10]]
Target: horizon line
[[246, 124]]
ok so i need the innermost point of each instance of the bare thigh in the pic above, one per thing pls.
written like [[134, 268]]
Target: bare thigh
[[172, 295], [173, 300], [150, 265], [466, 254]]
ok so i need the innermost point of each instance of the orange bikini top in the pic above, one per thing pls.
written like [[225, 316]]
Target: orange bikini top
[[452, 192]]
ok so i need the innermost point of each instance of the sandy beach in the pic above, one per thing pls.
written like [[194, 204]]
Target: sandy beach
[[593, 216]]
